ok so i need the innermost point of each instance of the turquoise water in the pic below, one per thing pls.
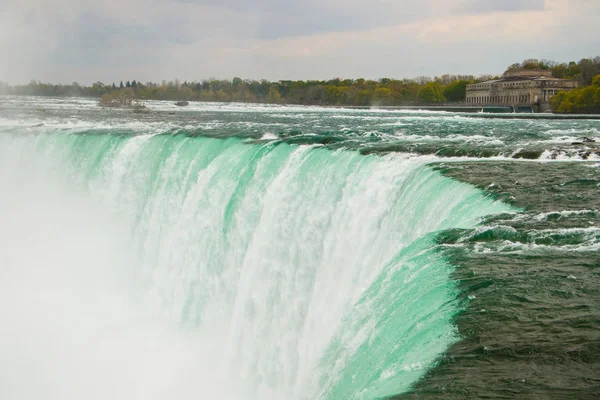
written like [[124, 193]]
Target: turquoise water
[[146, 259]]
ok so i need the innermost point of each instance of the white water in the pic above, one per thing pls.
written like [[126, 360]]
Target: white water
[[157, 267]]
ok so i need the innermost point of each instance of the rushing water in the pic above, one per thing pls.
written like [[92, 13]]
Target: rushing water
[[232, 251]]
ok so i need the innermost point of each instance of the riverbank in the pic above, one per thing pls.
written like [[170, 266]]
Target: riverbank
[[476, 110], [463, 110]]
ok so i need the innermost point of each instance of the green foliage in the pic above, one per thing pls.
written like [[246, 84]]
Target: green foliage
[[431, 93], [456, 91], [581, 101], [383, 96], [559, 101], [273, 96], [344, 92], [123, 98], [582, 71]]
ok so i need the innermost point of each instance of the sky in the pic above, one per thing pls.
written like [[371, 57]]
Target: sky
[[64, 41]]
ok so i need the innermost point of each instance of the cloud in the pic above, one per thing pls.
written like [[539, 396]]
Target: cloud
[[485, 6], [66, 40]]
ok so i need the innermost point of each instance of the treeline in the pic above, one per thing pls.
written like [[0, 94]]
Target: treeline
[[585, 100], [354, 92], [583, 71], [347, 92]]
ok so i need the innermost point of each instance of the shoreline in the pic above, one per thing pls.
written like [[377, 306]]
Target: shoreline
[[466, 111]]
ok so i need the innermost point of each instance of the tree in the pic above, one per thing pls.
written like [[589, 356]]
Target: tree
[[531, 63], [236, 82], [98, 88], [431, 93], [589, 69], [456, 91], [383, 97], [385, 91], [559, 71], [124, 98], [581, 101], [221, 95], [363, 97], [422, 80], [273, 96]]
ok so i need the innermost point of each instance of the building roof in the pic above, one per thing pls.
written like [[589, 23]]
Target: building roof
[[522, 78], [521, 75], [527, 73]]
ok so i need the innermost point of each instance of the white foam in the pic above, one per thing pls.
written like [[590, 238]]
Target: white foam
[[564, 155], [269, 136], [509, 247], [240, 284], [74, 323], [564, 214]]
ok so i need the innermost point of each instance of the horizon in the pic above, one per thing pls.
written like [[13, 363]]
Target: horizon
[[182, 81], [416, 79], [63, 41]]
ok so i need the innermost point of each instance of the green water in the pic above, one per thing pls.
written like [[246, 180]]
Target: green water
[[269, 253]]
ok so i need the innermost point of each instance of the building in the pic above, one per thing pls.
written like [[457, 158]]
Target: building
[[519, 89]]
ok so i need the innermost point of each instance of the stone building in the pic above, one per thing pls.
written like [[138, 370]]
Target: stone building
[[519, 89]]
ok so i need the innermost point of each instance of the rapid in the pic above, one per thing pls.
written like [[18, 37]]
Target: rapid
[[268, 252]]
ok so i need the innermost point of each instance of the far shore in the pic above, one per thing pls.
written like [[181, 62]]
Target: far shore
[[466, 110]]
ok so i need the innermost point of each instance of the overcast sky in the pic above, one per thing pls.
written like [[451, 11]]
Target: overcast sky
[[113, 40]]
